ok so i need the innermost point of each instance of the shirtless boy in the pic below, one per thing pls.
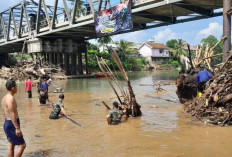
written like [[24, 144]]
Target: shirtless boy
[[12, 124]]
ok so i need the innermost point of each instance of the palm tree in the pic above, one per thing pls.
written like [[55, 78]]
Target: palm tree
[[178, 49], [124, 49], [104, 40]]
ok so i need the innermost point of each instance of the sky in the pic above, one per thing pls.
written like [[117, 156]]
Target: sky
[[192, 32]]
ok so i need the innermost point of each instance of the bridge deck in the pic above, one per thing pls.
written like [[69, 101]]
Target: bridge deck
[[64, 20]]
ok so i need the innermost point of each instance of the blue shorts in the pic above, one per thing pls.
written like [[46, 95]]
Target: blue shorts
[[10, 133]]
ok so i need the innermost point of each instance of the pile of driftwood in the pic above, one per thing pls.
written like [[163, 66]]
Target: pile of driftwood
[[126, 96], [215, 105], [25, 69], [186, 82]]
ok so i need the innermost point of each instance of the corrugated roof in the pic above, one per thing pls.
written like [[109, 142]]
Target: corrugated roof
[[157, 45]]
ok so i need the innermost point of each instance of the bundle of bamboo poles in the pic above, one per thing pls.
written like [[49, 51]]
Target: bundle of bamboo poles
[[128, 101], [205, 57]]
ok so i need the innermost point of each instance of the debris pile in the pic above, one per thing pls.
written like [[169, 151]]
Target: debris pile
[[186, 87], [215, 105], [127, 98], [30, 68], [186, 82]]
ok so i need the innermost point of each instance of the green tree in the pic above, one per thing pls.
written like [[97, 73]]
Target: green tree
[[104, 40], [80, 9], [212, 40], [124, 49], [171, 43], [178, 49]]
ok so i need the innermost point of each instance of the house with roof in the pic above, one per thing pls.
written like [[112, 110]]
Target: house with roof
[[154, 52]]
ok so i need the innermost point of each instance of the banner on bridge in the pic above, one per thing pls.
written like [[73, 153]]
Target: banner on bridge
[[113, 20]]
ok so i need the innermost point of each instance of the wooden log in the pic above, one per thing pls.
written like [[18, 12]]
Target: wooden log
[[107, 106], [225, 99]]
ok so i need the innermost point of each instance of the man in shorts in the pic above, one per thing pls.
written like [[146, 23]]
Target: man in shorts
[[12, 123]]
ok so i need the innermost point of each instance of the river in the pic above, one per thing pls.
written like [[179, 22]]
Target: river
[[164, 130]]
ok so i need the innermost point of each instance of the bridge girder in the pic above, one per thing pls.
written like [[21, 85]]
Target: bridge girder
[[17, 25]]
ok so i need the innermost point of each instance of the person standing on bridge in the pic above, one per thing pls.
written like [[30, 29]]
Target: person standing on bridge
[[12, 123]]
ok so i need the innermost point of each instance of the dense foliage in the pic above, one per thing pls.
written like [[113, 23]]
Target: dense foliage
[[212, 40], [129, 62]]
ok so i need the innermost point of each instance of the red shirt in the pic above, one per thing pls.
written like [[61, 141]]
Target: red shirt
[[28, 85]]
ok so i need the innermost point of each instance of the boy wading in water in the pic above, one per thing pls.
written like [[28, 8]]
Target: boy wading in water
[[12, 123]]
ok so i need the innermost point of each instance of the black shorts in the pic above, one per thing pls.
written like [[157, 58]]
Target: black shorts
[[29, 94], [201, 86], [52, 116]]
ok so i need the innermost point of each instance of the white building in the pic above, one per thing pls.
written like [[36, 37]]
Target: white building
[[154, 52]]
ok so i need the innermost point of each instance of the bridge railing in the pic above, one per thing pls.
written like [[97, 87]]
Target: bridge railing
[[33, 17]]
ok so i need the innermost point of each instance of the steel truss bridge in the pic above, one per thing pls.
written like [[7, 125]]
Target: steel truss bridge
[[73, 19]]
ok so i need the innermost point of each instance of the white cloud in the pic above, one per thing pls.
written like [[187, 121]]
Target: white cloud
[[138, 36], [165, 35], [214, 29]]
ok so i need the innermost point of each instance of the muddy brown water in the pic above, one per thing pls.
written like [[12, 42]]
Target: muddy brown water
[[163, 130]]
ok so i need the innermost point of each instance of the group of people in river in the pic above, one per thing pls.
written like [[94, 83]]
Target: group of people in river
[[12, 123]]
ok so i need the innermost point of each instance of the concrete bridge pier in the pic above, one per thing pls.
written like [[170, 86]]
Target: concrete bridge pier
[[68, 50], [58, 59], [86, 58], [66, 64], [50, 59], [74, 63], [79, 54], [59, 52], [62, 52]]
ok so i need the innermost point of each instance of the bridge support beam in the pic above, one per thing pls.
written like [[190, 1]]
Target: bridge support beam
[[80, 67], [58, 59], [61, 60], [55, 58], [86, 64], [50, 59], [226, 29], [74, 64], [66, 64]]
